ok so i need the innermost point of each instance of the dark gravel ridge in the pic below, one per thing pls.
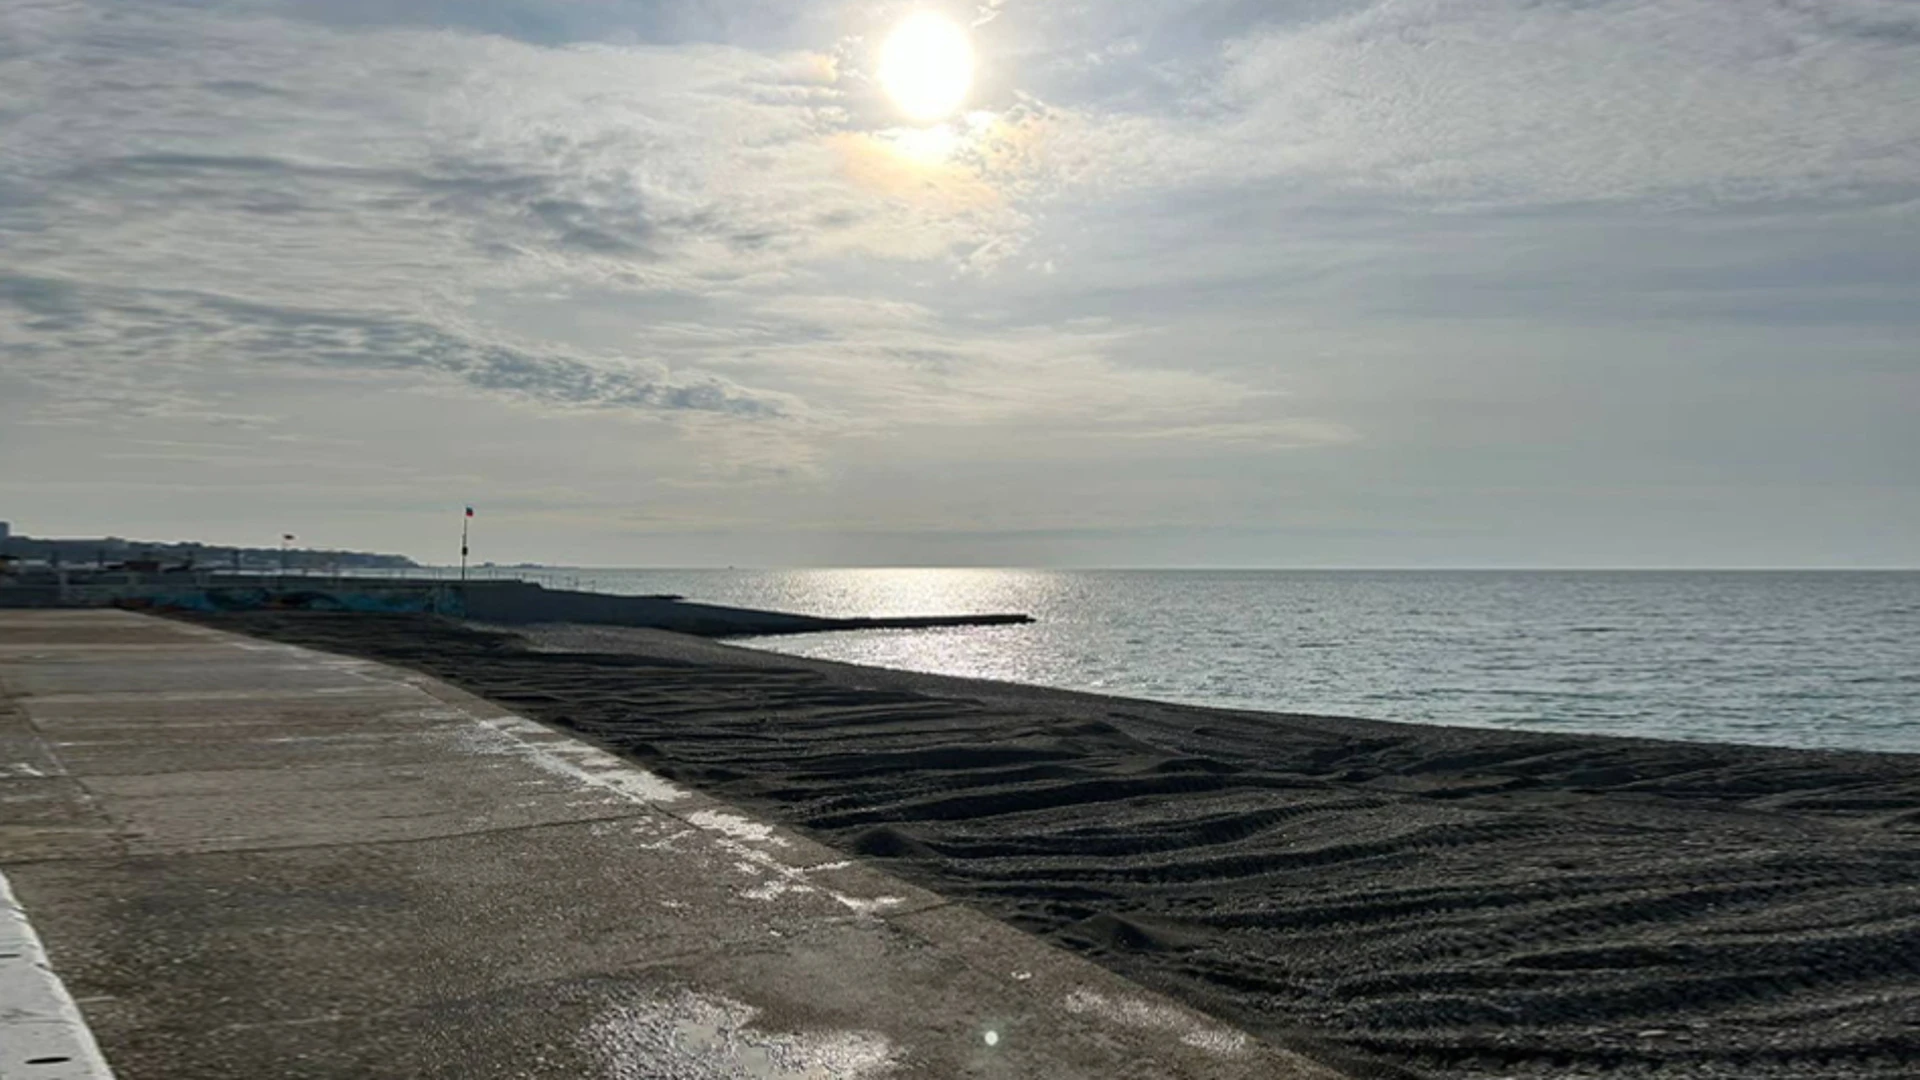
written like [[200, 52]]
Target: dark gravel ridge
[[1401, 900]]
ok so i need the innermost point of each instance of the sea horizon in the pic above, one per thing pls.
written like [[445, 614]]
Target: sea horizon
[[1795, 658]]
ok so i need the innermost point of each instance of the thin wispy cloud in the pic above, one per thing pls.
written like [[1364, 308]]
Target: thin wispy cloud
[[1321, 254]]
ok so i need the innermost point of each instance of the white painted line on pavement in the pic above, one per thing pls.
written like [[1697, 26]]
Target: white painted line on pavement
[[42, 1034]]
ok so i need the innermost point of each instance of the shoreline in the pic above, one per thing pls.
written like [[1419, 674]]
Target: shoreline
[[763, 644], [1397, 899], [1012, 691]]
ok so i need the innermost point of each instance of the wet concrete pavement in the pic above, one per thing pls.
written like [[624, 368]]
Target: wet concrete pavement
[[252, 860]]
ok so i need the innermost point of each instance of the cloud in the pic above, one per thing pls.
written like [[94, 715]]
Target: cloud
[[767, 23], [404, 162], [321, 225], [1179, 261], [143, 340], [1449, 104], [340, 199]]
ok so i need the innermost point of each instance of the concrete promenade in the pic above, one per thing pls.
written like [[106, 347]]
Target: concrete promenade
[[251, 860]]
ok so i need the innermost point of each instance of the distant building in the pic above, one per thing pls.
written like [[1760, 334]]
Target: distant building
[[104, 551]]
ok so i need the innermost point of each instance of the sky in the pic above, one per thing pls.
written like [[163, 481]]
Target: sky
[[1182, 283]]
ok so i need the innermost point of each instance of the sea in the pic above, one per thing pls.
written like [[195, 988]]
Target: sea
[[1801, 659]]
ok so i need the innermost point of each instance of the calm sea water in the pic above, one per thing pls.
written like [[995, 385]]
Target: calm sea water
[[1787, 659]]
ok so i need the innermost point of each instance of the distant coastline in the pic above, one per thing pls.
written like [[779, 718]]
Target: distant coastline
[[108, 551]]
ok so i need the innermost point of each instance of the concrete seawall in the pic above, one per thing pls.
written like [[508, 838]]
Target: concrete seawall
[[248, 860], [517, 602]]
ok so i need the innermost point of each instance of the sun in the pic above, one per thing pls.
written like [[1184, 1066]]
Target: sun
[[926, 66]]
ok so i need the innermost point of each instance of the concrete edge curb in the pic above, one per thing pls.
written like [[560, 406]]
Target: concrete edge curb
[[42, 1034]]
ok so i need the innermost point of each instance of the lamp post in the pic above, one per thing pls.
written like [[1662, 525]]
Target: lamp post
[[465, 523]]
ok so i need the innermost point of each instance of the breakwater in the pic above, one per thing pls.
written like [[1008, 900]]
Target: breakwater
[[506, 602]]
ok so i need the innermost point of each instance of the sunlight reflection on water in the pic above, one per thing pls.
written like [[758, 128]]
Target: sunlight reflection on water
[[1794, 659]]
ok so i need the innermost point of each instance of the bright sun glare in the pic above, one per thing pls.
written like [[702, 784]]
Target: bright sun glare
[[927, 66]]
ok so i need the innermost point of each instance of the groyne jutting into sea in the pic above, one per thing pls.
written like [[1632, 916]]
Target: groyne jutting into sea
[[494, 601]]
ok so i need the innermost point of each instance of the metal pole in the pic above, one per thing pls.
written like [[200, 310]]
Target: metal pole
[[466, 521]]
